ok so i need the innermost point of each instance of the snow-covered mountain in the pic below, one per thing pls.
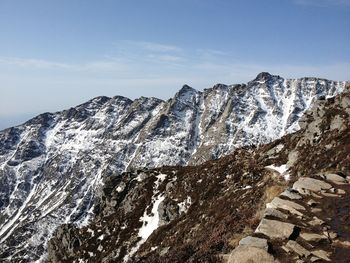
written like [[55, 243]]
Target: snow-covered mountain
[[52, 166]]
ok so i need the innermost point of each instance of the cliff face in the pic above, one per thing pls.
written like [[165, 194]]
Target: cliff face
[[198, 213]]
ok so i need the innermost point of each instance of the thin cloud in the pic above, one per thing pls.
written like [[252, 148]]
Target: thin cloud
[[149, 46], [30, 63]]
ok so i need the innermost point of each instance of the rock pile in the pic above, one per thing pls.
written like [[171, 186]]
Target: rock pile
[[303, 224]]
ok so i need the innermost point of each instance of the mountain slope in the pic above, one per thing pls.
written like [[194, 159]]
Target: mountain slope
[[197, 213], [52, 166]]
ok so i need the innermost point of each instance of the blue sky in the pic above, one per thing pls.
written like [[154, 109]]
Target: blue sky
[[56, 54]]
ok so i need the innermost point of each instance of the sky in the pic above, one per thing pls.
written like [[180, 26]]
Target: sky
[[55, 54]]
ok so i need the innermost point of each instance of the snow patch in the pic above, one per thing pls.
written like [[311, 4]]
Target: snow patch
[[282, 170], [184, 205]]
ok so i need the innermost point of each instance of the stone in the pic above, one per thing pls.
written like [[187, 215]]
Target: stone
[[313, 237], [316, 210], [291, 194], [314, 259], [330, 195], [275, 213], [337, 179], [341, 191], [290, 206], [275, 229], [311, 184], [331, 234], [254, 242], [285, 249], [246, 254], [316, 221], [321, 254], [345, 243], [315, 195], [294, 246]]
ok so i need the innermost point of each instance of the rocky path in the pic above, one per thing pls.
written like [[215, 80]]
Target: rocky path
[[309, 222]]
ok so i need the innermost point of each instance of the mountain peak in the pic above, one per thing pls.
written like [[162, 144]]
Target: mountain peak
[[186, 88], [263, 76]]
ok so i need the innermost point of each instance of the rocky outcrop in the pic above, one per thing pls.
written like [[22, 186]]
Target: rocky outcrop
[[309, 237]]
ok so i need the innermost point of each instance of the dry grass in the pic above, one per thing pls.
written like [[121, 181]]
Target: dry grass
[[234, 240]]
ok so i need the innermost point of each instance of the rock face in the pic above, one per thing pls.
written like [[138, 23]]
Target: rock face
[[52, 167]]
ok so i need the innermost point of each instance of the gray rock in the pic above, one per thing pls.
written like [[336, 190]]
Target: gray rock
[[314, 259], [330, 195], [335, 178], [294, 246], [321, 254], [275, 213], [313, 237], [245, 254], [290, 206], [314, 185], [254, 242], [341, 191], [316, 221], [291, 194], [275, 229]]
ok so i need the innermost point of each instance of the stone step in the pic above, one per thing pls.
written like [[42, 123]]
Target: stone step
[[311, 184], [275, 229]]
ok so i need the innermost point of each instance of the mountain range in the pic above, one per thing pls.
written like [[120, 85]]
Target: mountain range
[[54, 169]]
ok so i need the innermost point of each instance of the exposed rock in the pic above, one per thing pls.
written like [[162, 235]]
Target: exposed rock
[[330, 194], [275, 213], [341, 191], [314, 259], [313, 237], [306, 183], [275, 229], [254, 242], [290, 206], [337, 179], [321, 254], [316, 221], [294, 246], [246, 254], [291, 194]]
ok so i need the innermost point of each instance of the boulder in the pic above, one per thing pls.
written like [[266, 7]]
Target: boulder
[[275, 213], [275, 229], [311, 184], [294, 246], [254, 242], [316, 221], [313, 237], [291, 194], [246, 254], [321, 254], [337, 179], [290, 206]]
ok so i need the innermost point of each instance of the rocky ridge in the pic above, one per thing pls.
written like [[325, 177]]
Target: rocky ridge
[[52, 166], [200, 213]]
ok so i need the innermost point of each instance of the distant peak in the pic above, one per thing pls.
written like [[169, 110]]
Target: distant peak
[[186, 88], [263, 76]]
